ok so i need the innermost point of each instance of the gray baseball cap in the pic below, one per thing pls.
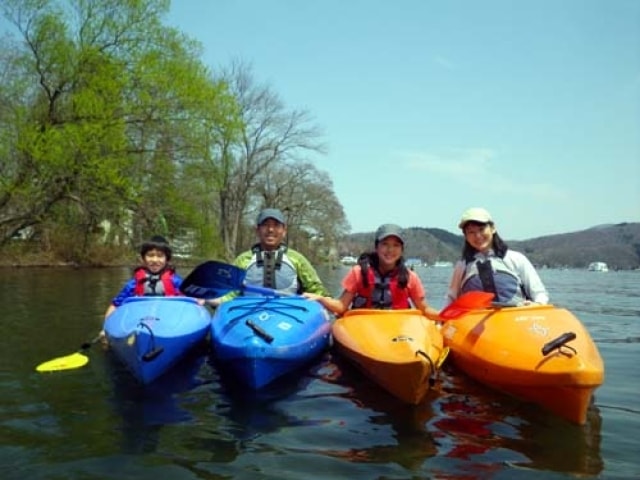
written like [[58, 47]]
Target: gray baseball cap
[[389, 230], [268, 213]]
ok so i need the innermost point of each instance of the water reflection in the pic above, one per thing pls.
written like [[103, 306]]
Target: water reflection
[[240, 421], [145, 409], [480, 428], [404, 438], [331, 421], [257, 412], [560, 446]]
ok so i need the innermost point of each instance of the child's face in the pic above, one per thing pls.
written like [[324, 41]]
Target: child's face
[[155, 260], [389, 252]]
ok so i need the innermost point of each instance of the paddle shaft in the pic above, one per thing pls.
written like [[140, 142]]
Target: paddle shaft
[[269, 292], [90, 343]]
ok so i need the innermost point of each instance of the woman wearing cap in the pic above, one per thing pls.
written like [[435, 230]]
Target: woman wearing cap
[[381, 279], [155, 277], [489, 265]]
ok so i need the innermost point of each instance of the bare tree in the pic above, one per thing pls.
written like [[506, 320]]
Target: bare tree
[[315, 217], [272, 135]]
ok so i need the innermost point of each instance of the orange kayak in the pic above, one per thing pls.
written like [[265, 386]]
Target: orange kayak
[[400, 350], [542, 354]]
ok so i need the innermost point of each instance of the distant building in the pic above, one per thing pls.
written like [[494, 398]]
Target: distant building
[[413, 262], [348, 260]]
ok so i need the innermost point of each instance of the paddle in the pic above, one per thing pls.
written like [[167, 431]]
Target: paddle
[[214, 279], [68, 362], [466, 303]]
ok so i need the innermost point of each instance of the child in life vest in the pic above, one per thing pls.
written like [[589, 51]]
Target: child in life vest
[[155, 277]]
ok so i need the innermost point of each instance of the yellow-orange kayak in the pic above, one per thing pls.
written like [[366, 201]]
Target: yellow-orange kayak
[[401, 350], [542, 354]]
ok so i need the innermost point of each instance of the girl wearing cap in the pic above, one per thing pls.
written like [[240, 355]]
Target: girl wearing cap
[[155, 277], [489, 265], [381, 280]]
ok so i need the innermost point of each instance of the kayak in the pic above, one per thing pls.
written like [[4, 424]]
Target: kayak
[[151, 334], [541, 354], [400, 350], [258, 339]]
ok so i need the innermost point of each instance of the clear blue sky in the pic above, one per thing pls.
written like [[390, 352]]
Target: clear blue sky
[[528, 108]]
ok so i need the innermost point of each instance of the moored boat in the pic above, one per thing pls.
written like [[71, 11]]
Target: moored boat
[[542, 354], [443, 264], [257, 339], [151, 334], [598, 267], [401, 350]]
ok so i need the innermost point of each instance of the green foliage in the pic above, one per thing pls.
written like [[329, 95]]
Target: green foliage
[[107, 108], [112, 130]]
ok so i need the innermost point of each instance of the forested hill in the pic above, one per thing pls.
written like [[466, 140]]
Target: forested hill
[[617, 245]]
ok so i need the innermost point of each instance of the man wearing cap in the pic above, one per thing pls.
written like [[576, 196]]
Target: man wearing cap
[[381, 279], [489, 265], [270, 263]]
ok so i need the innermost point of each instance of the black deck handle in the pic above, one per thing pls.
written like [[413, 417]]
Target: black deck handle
[[153, 354], [558, 342], [259, 331], [154, 351]]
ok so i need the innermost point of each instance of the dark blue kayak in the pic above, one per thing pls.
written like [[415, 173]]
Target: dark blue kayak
[[151, 334], [259, 339]]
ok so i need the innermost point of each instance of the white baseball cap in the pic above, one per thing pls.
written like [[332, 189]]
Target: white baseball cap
[[475, 214]]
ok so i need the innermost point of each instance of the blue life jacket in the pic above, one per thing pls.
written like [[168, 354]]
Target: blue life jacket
[[493, 275]]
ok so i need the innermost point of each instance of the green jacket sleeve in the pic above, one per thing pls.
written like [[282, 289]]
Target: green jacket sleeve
[[309, 279]]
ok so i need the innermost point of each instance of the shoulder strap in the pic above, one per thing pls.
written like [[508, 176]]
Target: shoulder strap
[[485, 272], [281, 251], [363, 261], [258, 253], [403, 276]]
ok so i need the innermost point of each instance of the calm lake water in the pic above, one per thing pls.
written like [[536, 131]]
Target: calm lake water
[[329, 422]]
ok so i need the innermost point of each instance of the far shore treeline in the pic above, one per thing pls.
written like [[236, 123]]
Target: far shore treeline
[[112, 130], [616, 245]]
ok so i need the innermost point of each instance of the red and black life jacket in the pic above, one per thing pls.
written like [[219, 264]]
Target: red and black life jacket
[[154, 284], [382, 292]]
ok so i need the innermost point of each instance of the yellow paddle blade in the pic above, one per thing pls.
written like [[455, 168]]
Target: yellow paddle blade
[[442, 358], [75, 360]]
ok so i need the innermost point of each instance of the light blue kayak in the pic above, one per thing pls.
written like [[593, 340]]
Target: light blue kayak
[[151, 334], [259, 339]]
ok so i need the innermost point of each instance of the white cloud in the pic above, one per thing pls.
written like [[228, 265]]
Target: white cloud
[[477, 168]]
